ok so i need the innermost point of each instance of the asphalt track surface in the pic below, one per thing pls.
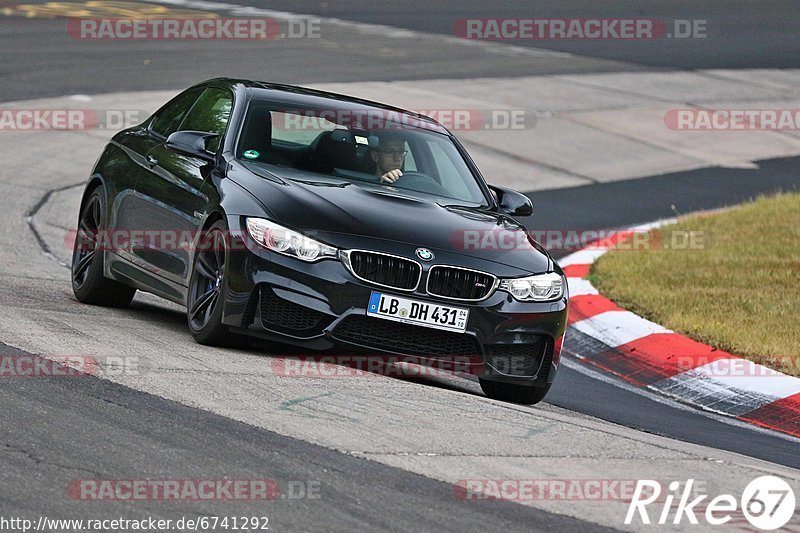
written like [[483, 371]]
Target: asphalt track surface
[[41, 59], [740, 34], [90, 426], [637, 201], [102, 427]]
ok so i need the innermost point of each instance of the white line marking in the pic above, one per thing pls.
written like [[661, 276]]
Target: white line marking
[[580, 287], [744, 375], [669, 402], [656, 224], [582, 257], [616, 328]]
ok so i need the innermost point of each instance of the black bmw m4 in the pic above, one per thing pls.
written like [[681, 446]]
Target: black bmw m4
[[324, 221]]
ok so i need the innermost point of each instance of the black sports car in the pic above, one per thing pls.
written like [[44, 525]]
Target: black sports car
[[323, 221]]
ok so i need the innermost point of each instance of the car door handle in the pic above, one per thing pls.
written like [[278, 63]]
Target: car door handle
[[152, 161]]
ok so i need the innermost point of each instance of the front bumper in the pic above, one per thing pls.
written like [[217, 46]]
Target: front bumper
[[321, 306]]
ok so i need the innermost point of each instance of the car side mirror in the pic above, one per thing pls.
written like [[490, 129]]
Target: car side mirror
[[512, 202], [191, 143]]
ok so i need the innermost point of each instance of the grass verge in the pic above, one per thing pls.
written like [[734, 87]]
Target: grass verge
[[729, 279]]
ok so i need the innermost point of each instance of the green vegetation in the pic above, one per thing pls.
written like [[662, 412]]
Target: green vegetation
[[729, 279]]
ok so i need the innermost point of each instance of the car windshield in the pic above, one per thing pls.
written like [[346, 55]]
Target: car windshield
[[360, 146]]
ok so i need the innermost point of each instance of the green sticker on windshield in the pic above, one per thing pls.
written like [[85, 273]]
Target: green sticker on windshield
[[251, 154]]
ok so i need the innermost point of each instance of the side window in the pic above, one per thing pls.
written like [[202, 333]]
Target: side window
[[170, 117], [211, 114]]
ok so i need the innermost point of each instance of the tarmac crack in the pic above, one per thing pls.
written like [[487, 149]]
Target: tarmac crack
[[10, 448], [29, 218]]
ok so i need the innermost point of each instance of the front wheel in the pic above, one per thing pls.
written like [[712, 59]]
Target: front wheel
[[88, 282], [206, 288], [508, 392]]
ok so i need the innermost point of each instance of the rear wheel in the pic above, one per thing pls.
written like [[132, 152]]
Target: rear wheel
[[508, 392], [88, 282], [206, 286]]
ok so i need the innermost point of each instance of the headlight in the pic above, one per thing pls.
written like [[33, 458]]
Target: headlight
[[540, 288], [275, 237]]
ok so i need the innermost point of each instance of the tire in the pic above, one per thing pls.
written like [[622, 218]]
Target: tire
[[89, 284], [204, 302], [508, 392]]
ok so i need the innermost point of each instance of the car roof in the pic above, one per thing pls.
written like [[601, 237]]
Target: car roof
[[303, 95]]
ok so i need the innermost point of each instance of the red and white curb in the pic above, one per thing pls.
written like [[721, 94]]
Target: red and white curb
[[650, 356]]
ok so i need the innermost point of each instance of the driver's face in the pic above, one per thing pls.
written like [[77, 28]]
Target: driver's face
[[390, 156]]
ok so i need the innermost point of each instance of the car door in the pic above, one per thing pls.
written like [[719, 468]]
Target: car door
[[171, 194], [136, 143]]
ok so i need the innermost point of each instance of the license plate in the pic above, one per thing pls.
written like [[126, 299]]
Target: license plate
[[419, 313]]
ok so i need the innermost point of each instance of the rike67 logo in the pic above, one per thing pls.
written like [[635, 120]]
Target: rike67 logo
[[767, 502]]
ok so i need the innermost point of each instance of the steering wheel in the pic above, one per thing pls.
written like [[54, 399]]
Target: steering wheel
[[418, 181]]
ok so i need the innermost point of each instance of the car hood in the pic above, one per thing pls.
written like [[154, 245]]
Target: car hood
[[327, 210]]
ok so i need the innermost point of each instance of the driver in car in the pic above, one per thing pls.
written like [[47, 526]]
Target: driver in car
[[388, 158]]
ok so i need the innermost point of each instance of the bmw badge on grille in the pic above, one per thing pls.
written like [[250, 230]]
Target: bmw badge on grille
[[424, 254]]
